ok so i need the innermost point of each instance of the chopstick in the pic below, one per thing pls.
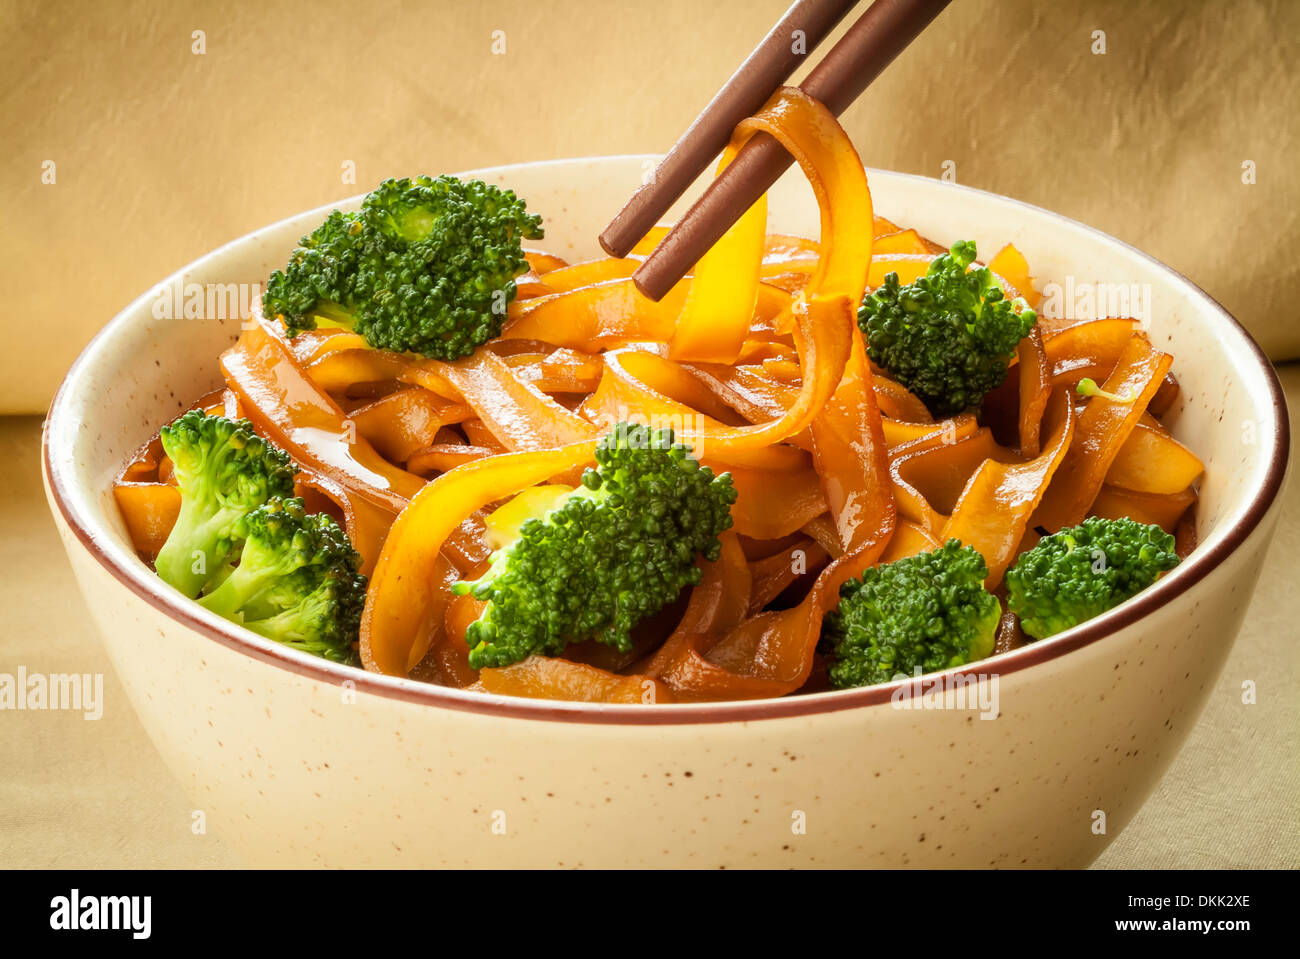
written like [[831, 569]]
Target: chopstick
[[796, 34], [882, 32]]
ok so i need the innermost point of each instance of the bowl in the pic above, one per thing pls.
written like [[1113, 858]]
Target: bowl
[[1037, 757]]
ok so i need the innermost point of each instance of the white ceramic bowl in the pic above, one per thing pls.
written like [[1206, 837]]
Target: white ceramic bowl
[[299, 761]]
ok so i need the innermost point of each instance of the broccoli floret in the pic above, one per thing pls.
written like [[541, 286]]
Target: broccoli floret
[[606, 556], [1082, 571], [425, 266], [949, 335], [224, 471], [296, 582], [321, 276], [930, 610]]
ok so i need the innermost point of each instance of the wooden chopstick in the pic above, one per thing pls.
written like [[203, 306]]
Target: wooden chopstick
[[882, 32], [795, 35]]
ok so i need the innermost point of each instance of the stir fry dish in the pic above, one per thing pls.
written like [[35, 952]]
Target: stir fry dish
[[439, 452]]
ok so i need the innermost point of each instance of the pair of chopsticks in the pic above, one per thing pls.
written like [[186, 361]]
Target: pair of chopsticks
[[870, 45]]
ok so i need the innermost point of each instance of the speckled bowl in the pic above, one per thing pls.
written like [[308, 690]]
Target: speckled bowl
[[297, 761]]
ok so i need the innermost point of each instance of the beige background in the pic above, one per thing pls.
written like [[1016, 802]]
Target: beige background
[[162, 154]]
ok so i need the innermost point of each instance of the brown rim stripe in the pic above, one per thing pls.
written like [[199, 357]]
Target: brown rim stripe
[[153, 591]]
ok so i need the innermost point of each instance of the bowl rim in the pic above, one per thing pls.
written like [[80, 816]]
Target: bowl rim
[[166, 601]]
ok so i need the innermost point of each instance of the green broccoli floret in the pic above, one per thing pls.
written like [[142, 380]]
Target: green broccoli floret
[[425, 266], [224, 471], [930, 610], [949, 335], [296, 582], [606, 556], [1082, 571]]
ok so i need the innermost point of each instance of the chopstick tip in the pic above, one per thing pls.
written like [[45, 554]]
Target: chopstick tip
[[648, 282], [612, 245]]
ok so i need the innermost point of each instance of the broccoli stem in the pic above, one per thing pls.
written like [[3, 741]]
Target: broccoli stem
[[257, 570], [299, 627], [189, 558], [1088, 387]]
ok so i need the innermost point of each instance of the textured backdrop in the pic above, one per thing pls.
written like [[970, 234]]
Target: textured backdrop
[[158, 152]]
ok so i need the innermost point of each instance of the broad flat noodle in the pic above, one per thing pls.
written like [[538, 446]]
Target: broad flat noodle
[[645, 374], [641, 385], [899, 434], [338, 370], [1152, 461], [600, 316], [1165, 397], [560, 371], [594, 271], [1017, 404], [746, 389], [904, 241], [1103, 428], [774, 573], [449, 655], [908, 540], [824, 531], [716, 606], [757, 396], [715, 319], [1011, 264], [780, 247], [518, 415], [405, 600], [529, 285], [929, 475], [1035, 388], [543, 677], [543, 263], [440, 457], [773, 503], [908, 266], [404, 421], [296, 415], [366, 523], [1087, 349], [480, 435], [823, 150], [825, 321], [654, 388], [1160, 509], [852, 458], [325, 341], [899, 402], [994, 508], [770, 654], [149, 511], [944, 433]]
